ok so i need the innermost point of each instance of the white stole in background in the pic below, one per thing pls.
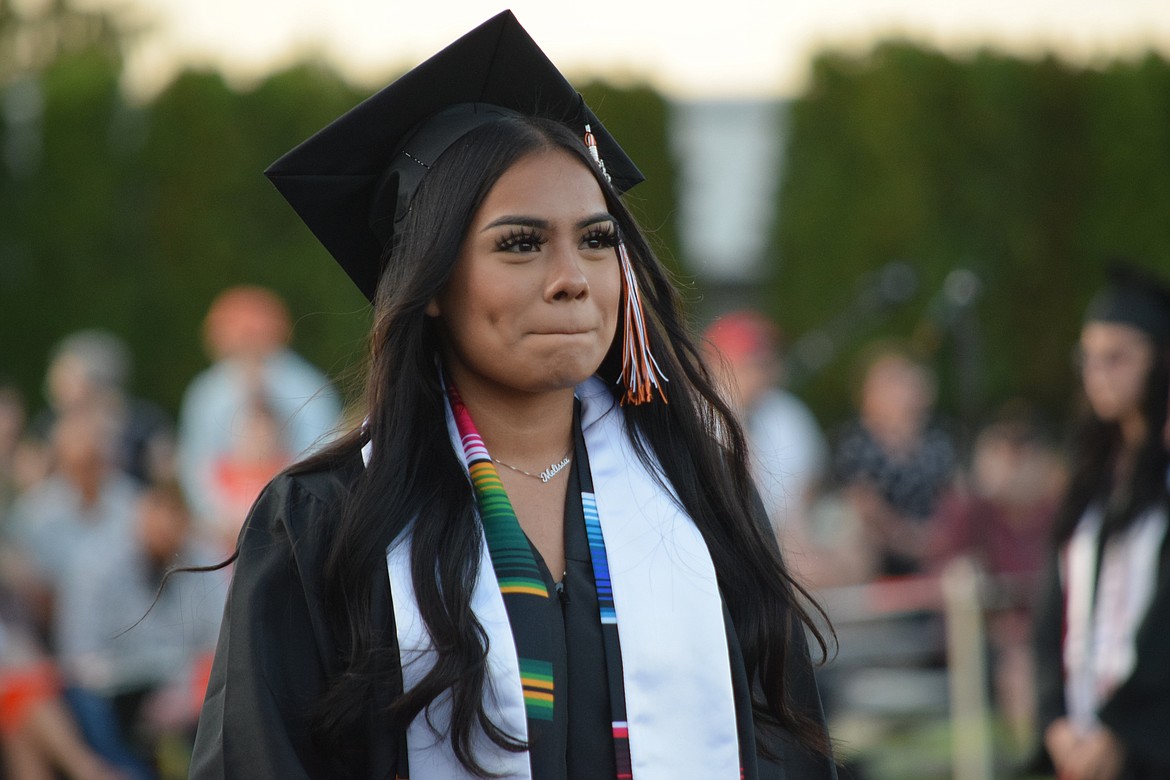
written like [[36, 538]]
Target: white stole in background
[[680, 705], [1101, 632]]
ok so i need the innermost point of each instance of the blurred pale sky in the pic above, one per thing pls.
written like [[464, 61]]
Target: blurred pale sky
[[715, 49]]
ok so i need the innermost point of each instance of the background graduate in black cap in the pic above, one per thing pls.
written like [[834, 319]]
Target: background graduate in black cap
[[1103, 625], [541, 554]]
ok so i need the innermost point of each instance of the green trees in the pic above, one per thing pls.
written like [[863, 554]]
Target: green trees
[[1030, 174], [133, 217], [62, 192]]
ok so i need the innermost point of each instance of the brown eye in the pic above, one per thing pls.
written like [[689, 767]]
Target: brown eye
[[520, 241], [600, 237]]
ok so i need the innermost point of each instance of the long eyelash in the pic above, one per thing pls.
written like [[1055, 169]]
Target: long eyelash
[[607, 234], [520, 236]]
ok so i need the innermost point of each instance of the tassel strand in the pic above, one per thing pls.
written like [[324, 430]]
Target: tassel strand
[[640, 371]]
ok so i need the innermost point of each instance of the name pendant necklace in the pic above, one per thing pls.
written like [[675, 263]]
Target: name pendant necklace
[[544, 476]]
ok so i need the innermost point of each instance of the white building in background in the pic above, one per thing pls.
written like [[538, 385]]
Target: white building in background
[[729, 156]]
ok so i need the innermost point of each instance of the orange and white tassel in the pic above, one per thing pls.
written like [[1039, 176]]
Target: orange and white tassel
[[640, 372]]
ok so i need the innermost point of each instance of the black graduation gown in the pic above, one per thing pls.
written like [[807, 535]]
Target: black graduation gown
[[277, 651], [1138, 712]]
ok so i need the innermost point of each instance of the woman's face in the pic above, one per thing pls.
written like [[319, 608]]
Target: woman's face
[[1115, 362], [897, 392], [532, 303]]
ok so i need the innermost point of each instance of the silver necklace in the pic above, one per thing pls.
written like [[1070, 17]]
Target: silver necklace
[[544, 476]]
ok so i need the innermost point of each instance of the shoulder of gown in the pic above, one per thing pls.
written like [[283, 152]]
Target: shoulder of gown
[[276, 649]]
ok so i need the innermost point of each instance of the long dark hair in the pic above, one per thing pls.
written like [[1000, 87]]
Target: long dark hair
[[415, 479], [1098, 443]]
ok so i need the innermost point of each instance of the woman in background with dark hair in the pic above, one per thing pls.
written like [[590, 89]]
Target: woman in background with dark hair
[[1103, 625], [609, 601]]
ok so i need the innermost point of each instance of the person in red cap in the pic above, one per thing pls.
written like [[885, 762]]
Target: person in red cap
[[789, 453], [245, 416]]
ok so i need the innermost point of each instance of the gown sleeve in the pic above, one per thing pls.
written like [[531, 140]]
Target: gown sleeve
[[274, 654], [788, 759]]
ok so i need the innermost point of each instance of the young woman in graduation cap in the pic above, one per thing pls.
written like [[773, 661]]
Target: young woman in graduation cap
[[541, 554], [1103, 624]]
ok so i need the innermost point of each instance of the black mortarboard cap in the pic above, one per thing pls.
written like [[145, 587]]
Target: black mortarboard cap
[[364, 166], [1136, 298]]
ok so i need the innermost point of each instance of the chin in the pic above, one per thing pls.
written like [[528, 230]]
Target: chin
[[561, 374], [562, 380], [582, 362]]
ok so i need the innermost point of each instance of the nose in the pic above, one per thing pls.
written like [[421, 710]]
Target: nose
[[566, 275]]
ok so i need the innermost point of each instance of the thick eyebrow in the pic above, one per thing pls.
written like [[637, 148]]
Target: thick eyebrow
[[544, 224], [601, 216]]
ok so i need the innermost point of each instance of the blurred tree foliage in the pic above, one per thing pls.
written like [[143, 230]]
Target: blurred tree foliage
[[133, 217], [906, 165]]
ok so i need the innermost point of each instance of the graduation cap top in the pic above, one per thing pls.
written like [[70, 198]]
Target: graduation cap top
[[352, 181], [1136, 298]]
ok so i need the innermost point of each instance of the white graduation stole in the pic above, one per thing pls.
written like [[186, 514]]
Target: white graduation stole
[[1100, 642], [680, 705]]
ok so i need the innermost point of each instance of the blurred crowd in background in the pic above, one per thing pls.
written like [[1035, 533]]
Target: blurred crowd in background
[[1013, 590], [103, 670], [891, 497]]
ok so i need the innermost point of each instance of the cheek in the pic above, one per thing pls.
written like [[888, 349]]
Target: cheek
[[609, 293], [1114, 393], [1134, 387], [486, 312], [1096, 385]]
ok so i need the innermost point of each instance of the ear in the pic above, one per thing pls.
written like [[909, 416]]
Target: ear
[[432, 309]]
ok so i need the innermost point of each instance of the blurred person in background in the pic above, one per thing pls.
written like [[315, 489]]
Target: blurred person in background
[[89, 371], [38, 735], [1001, 512], [136, 658], [39, 739], [83, 508], [246, 334], [893, 462], [1103, 622], [1000, 515], [788, 450]]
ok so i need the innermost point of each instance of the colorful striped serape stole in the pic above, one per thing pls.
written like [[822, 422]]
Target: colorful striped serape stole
[[514, 563]]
